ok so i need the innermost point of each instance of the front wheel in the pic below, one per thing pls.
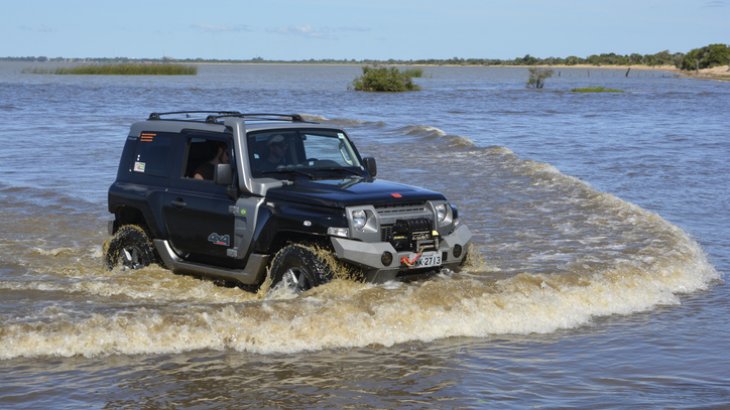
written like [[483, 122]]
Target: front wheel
[[299, 268], [129, 247]]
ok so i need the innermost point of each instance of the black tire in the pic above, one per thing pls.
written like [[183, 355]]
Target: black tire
[[299, 268], [131, 248]]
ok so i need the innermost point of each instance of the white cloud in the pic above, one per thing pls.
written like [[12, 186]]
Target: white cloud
[[221, 28], [308, 31], [302, 31]]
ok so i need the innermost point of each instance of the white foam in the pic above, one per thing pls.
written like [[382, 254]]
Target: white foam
[[354, 315]]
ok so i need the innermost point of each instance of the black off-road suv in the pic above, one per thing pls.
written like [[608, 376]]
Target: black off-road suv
[[234, 197]]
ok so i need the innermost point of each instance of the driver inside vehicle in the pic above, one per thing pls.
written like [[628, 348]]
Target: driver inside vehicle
[[206, 170], [276, 152]]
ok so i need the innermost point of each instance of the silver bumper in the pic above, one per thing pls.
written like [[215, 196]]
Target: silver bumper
[[368, 255]]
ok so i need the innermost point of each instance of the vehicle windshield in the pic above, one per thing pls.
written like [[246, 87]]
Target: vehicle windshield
[[303, 152]]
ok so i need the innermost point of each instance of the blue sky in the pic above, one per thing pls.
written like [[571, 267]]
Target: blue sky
[[344, 29]]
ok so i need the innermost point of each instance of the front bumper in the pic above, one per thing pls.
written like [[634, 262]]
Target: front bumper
[[367, 255]]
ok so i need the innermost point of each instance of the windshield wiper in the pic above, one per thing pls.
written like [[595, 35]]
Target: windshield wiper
[[288, 171], [348, 170]]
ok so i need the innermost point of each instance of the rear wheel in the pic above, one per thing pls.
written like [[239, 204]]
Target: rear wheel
[[299, 268], [130, 248]]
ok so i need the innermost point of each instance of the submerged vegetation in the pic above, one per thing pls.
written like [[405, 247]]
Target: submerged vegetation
[[596, 90], [413, 72], [386, 79], [123, 69], [538, 76]]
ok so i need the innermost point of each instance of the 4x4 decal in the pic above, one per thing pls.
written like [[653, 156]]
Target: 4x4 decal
[[222, 240]]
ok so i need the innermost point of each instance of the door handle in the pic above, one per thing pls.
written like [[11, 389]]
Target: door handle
[[179, 203]]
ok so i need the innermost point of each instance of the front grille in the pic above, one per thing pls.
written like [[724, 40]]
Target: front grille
[[407, 226], [402, 211], [409, 234]]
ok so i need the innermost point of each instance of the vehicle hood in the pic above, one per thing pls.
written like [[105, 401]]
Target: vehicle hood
[[341, 193]]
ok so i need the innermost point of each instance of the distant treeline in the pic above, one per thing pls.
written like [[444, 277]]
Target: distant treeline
[[709, 56]]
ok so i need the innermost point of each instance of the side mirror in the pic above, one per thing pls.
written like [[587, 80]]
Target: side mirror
[[371, 166], [223, 174]]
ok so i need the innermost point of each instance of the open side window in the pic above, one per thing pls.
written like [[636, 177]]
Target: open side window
[[202, 154]]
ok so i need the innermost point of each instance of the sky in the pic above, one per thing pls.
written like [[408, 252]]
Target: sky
[[363, 29]]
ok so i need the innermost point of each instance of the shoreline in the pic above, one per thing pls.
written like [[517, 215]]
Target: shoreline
[[720, 73]]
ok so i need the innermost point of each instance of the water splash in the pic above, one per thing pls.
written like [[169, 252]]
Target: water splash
[[556, 255]]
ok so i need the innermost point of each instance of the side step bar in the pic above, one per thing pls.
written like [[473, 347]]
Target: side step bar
[[252, 274]]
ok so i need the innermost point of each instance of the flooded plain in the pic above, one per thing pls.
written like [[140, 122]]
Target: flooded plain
[[601, 221]]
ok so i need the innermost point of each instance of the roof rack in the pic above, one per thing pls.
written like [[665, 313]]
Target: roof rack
[[158, 115], [258, 117], [214, 116]]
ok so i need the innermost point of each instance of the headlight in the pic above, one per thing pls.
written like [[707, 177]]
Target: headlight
[[441, 212], [359, 219], [444, 214]]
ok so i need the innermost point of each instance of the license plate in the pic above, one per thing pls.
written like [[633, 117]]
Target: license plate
[[427, 260]]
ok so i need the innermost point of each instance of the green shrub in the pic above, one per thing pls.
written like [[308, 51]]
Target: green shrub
[[538, 76], [709, 56], [596, 90], [384, 79], [126, 69], [413, 72]]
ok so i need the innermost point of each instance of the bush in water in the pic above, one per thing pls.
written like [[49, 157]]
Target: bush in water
[[388, 79], [538, 76]]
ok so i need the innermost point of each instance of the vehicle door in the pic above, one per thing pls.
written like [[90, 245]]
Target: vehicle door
[[196, 210]]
